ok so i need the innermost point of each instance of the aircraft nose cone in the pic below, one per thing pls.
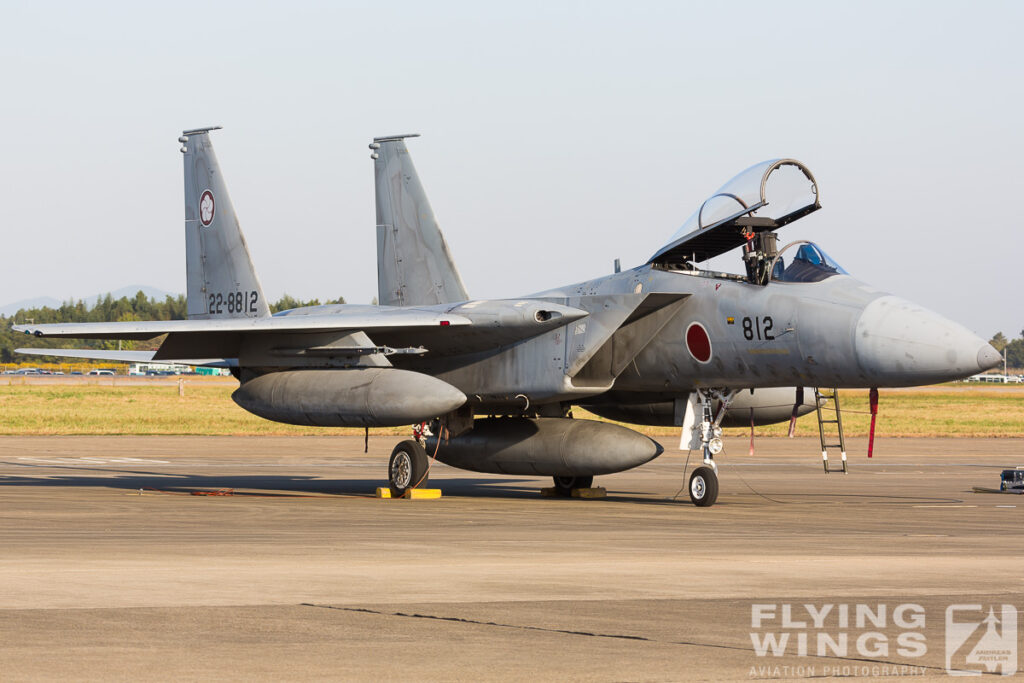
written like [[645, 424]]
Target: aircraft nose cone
[[899, 343], [988, 357]]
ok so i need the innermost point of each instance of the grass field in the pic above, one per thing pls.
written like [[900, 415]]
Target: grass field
[[207, 409]]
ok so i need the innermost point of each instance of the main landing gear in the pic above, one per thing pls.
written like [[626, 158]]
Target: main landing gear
[[703, 483], [408, 467], [565, 485]]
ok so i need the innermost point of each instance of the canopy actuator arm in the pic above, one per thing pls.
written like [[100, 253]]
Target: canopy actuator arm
[[759, 254]]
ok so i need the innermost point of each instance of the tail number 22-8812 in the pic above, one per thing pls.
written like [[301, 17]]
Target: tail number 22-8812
[[232, 302]]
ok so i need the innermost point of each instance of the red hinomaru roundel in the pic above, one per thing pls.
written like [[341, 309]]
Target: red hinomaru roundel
[[207, 207], [698, 343]]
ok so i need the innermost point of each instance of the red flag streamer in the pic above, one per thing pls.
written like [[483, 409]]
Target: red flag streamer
[[796, 411], [873, 398], [751, 430]]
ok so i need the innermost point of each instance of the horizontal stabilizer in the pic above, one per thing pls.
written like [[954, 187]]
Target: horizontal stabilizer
[[355, 318], [125, 356]]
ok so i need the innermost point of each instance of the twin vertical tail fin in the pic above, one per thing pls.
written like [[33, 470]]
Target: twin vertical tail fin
[[414, 266], [221, 280]]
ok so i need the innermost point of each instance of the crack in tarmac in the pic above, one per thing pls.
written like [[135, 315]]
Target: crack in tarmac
[[614, 636]]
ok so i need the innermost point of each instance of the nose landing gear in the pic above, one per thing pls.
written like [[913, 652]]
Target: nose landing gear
[[703, 483]]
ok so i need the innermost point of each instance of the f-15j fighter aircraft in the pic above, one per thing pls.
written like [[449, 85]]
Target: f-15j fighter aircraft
[[667, 342]]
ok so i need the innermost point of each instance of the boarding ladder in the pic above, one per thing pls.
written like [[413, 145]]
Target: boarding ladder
[[830, 397]]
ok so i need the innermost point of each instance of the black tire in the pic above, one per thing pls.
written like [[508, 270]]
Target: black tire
[[408, 467], [703, 487], [565, 485]]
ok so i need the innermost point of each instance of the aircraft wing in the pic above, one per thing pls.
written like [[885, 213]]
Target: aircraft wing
[[126, 356], [394, 319], [481, 325]]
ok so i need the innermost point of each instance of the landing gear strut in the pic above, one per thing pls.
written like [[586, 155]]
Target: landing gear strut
[[703, 483]]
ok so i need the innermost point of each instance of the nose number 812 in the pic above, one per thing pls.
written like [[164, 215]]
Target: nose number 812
[[758, 328]]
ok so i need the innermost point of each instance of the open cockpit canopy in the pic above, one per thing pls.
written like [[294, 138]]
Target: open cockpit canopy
[[761, 199]]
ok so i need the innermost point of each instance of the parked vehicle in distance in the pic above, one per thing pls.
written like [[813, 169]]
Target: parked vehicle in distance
[[105, 373], [1012, 480]]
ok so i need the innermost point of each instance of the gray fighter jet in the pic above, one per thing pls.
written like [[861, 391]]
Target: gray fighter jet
[[490, 384]]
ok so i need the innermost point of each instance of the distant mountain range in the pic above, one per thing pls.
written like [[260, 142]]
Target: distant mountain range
[[129, 291]]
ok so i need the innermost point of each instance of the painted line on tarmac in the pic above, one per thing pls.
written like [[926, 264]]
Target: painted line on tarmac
[[945, 506], [97, 461], [816, 463]]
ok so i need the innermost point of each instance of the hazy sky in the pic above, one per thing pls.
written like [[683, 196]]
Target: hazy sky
[[556, 136]]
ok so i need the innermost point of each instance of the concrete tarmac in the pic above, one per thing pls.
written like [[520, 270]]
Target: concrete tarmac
[[110, 569]]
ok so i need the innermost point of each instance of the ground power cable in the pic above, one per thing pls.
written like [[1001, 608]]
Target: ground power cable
[[685, 466]]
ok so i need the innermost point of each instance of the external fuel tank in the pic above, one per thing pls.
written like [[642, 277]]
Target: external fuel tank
[[352, 397], [545, 446]]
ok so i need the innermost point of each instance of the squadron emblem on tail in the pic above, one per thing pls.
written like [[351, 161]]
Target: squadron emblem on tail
[[206, 209]]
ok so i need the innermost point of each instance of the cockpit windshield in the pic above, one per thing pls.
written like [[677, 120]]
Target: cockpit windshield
[[809, 263]]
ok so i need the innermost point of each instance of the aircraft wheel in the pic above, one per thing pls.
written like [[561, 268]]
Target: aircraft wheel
[[565, 485], [703, 487], [407, 467]]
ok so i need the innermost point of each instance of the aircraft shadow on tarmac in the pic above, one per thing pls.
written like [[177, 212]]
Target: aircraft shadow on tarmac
[[246, 484], [291, 485]]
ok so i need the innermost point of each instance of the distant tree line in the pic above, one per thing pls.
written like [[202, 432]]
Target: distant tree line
[[108, 309], [287, 302], [1014, 349]]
